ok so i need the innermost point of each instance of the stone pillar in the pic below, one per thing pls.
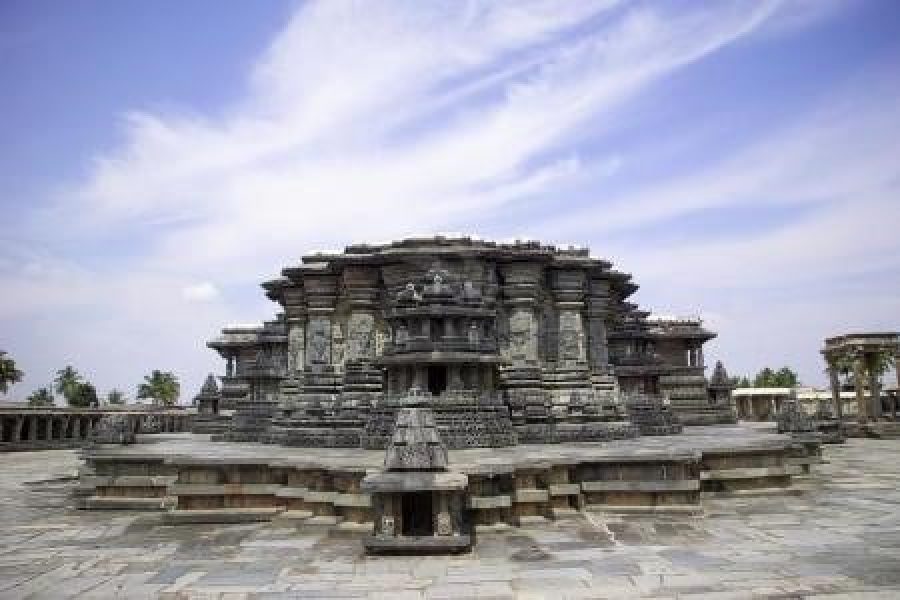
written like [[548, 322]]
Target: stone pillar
[[700, 361], [836, 395], [858, 379], [17, 428], [597, 312], [568, 295], [32, 428], [874, 386], [454, 377], [420, 378], [896, 398]]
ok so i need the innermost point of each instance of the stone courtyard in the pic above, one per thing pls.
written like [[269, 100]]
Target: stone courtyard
[[837, 535]]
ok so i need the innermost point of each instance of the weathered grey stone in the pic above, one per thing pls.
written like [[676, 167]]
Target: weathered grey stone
[[513, 343]]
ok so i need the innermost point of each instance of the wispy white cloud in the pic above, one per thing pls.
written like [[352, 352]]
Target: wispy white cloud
[[373, 120], [200, 292]]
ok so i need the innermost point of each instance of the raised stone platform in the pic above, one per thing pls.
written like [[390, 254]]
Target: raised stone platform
[[514, 485], [838, 539]]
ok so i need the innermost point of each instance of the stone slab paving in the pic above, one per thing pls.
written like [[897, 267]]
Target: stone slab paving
[[840, 538]]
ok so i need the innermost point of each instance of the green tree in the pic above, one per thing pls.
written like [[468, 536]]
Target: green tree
[[115, 396], [765, 378], [84, 396], [783, 377], [786, 377], [845, 365], [67, 382], [41, 397], [161, 386], [742, 381], [9, 374], [884, 362]]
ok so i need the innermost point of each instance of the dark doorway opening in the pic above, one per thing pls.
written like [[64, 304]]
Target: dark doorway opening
[[417, 514], [437, 380]]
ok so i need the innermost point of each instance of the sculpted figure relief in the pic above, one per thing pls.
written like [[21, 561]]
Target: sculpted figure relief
[[360, 336], [318, 343], [519, 335]]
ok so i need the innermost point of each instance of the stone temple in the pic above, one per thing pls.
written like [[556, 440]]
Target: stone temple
[[426, 390], [508, 344]]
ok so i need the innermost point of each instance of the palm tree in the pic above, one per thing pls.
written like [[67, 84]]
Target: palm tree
[[67, 382], [41, 397], [8, 372], [162, 387]]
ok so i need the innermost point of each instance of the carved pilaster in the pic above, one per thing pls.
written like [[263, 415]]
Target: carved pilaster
[[569, 299], [294, 301], [597, 313]]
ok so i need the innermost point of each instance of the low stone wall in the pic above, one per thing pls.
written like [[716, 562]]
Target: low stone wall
[[55, 428], [210, 489]]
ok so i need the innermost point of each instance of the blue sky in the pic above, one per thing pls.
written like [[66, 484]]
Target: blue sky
[[741, 159]]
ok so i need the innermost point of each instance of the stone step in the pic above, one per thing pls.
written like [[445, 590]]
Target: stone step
[[681, 509], [221, 515], [123, 503]]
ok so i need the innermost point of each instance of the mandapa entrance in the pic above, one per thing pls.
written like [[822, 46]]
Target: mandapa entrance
[[437, 379], [418, 520]]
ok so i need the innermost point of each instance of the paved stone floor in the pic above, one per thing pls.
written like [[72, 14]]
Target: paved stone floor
[[839, 538]]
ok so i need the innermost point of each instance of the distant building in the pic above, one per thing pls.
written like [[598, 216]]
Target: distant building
[[762, 404]]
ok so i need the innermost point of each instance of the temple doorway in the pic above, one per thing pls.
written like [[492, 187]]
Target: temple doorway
[[437, 379], [418, 520]]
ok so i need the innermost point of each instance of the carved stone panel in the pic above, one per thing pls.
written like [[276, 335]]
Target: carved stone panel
[[318, 340], [360, 343], [443, 524], [571, 336], [522, 336]]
